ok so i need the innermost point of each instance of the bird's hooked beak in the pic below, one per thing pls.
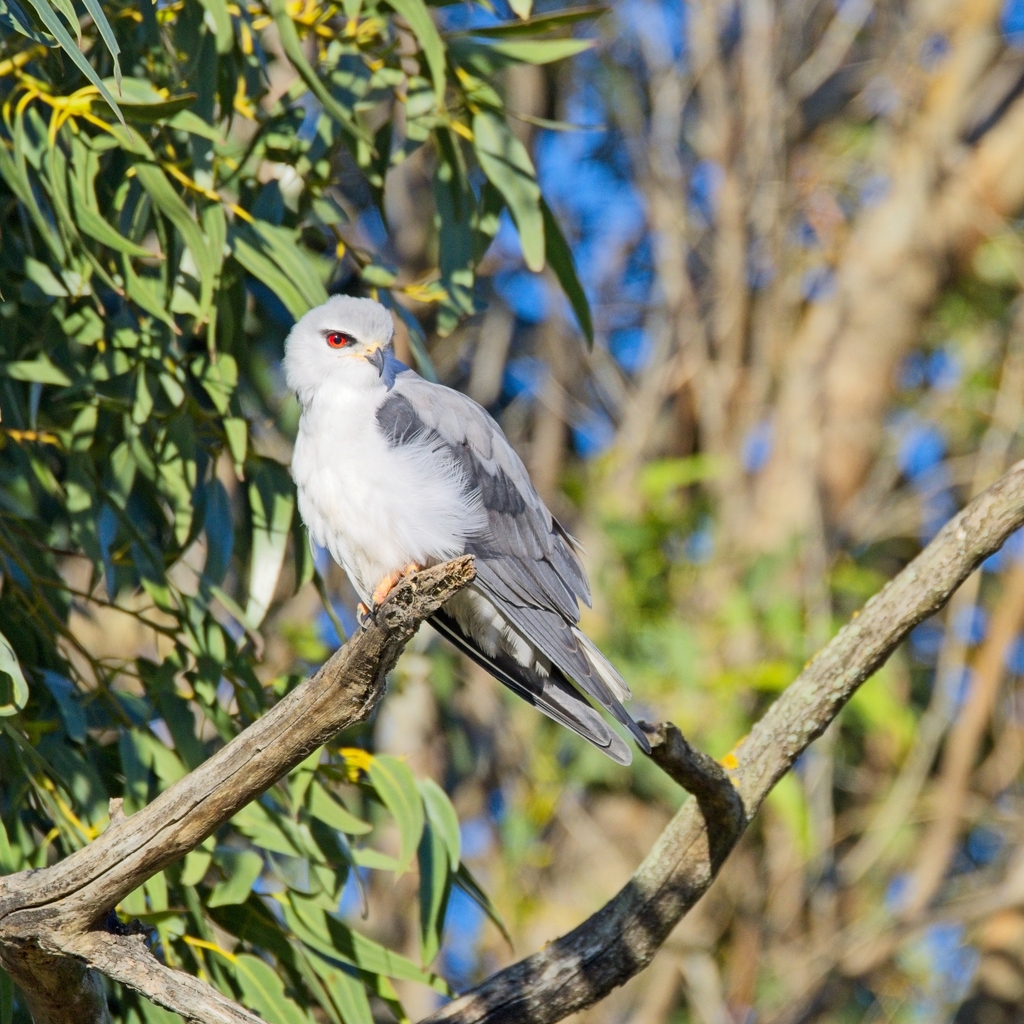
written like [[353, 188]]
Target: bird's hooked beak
[[376, 358]]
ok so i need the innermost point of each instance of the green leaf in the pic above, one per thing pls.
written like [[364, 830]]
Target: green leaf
[[15, 689], [395, 784], [11, 857], [541, 51], [65, 694], [332, 812], [197, 863], [242, 868], [469, 885], [98, 16], [93, 225], [531, 26], [44, 278], [422, 24], [140, 101], [218, 11], [67, 8], [155, 182], [435, 886], [282, 246], [12, 16], [39, 371], [263, 991], [367, 857], [186, 121], [443, 818], [219, 377], [560, 259], [347, 993], [292, 46], [237, 432], [327, 934], [220, 533], [272, 504], [305, 565], [506, 163], [521, 7], [455, 205], [265, 829], [247, 248], [52, 22], [142, 291]]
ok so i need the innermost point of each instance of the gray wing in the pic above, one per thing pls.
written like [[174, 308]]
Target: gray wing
[[525, 561]]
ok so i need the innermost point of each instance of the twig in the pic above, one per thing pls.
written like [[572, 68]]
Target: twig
[[707, 780]]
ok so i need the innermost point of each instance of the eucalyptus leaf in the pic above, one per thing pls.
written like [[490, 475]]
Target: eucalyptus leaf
[[15, 689], [507, 164], [395, 784]]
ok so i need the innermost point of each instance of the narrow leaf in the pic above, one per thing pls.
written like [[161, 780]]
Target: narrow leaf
[[97, 15], [422, 24], [443, 818], [507, 164], [332, 812], [218, 11], [15, 691], [395, 784], [292, 46], [469, 885], [541, 51], [435, 886], [272, 504], [241, 868], [53, 23], [560, 259], [39, 371], [263, 991]]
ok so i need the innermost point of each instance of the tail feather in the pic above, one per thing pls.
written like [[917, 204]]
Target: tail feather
[[609, 675], [553, 694]]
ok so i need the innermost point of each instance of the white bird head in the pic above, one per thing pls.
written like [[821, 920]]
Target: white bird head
[[344, 342]]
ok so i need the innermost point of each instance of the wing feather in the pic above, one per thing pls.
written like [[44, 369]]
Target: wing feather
[[552, 695], [527, 564]]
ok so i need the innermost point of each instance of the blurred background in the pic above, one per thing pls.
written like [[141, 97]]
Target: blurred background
[[797, 223]]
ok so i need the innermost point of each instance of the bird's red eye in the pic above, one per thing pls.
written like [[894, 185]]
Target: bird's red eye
[[338, 340]]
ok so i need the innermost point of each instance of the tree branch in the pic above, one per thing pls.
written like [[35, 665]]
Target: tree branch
[[620, 939], [719, 802], [49, 929]]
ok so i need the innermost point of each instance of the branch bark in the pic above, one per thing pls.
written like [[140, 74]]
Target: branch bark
[[51, 931], [621, 938]]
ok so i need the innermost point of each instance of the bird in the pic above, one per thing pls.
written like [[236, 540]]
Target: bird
[[394, 473]]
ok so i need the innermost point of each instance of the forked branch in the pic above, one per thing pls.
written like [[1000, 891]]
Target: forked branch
[[50, 938], [618, 941]]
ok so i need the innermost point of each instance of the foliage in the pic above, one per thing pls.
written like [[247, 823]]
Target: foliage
[[169, 202]]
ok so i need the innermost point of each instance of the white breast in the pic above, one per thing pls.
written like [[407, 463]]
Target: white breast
[[375, 508]]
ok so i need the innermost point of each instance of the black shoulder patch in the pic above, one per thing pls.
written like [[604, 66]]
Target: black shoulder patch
[[399, 421], [499, 494]]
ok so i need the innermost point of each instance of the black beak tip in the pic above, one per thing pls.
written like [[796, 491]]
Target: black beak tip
[[376, 358]]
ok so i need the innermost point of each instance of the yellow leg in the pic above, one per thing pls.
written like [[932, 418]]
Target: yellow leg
[[387, 584]]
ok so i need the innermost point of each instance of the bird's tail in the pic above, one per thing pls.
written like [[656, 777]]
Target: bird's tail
[[553, 694]]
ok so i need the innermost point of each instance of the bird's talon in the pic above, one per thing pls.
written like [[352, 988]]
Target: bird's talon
[[362, 615], [389, 582]]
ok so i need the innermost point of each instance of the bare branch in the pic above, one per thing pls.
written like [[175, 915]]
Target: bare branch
[[620, 939], [707, 780]]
